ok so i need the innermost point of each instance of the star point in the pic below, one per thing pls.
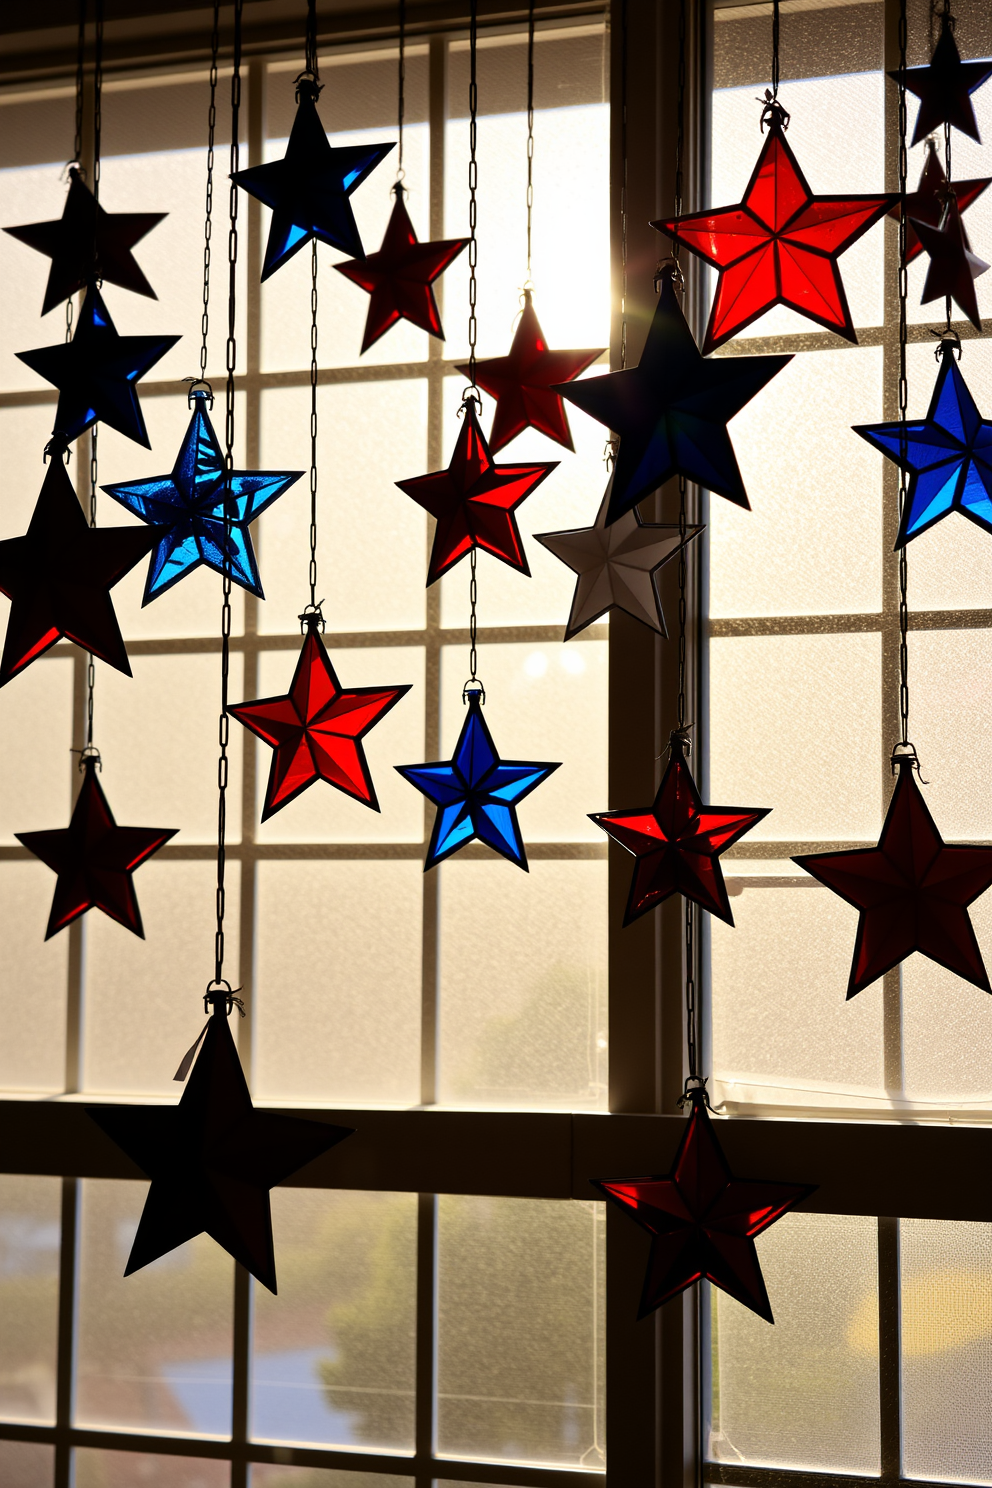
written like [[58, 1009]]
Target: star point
[[944, 87]]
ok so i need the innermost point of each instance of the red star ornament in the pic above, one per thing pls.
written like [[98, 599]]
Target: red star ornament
[[677, 842], [474, 500], [953, 267], [521, 383], [926, 203], [316, 729], [702, 1220], [912, 891], [400, 275], [779, 246], [95, 859]]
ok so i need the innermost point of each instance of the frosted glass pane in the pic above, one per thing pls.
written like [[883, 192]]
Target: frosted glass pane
[[569, 497], [30, 193], [24, 433], [809, 546], [30, 1232], [33, 989], [333, 1357], [947, 1027], [337, 1005], [323, 813], [803, 1394], [372, 540], [268, 1475], [953, 740], [815, 43], [834, 160], [141, 999], [781, 1028], [38, 780], [546, 702], [153, 1351], [946, 1350], [520, 1373], [157, 733], [780, 714], [523, 979], [98, 1468], [26, 1465]]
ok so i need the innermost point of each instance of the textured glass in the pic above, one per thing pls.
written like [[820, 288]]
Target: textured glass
[[946, 1271], [953, 741], [165, 772], [268, 1475], [337, 996], [808, 546], [333, 1356], [33, 988], [326, 814], [947, 1028], [153, 1351], [142, 999], [523, 1014], [781, 1029], [372, 540], [26, 1465], [30, 1231], [24, 433], [804, 1393], [38, 781], [96, 1467], [815, 42], [521, 1339], [30, 192], [780, 714], [544, 701]]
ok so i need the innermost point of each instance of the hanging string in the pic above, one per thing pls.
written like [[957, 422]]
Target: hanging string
[[948, 21], [775, 40], [401, 100], [94, 431], [623, 184], [75, 164], [208, 226], [314, 607], [97, 99], [903, 393], [311, 67], [530, 135]]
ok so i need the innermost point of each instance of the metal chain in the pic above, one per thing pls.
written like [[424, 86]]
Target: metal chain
[[90, 663], [530, 134], [683, 522], [473, 186], [473, 624], [775, 43], [313, 426], [223, 728], [401, 101], [77, 148], [208, 223], [623, 184], [94, 431], [903, 385], [690, 989], [311, 42], [97, 98]]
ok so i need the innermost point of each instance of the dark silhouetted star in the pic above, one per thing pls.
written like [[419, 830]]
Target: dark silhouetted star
[[212, 1160], [779, 246], [317, 728], [400, 275], [953, 267], [476, 793], [926, 203], [944, 87], [58, 577], [87, 243], [702, 1220], [473, 501], [95, 859], [308, 189], [948, 455], [671, 411], [97, 371], [912, 890], [522, 382], [677, 842], [617, 566]]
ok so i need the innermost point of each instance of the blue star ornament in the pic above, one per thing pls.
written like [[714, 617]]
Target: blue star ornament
[[308, 189], [476, 793], [948, 455], [202, 512], [96, 373]]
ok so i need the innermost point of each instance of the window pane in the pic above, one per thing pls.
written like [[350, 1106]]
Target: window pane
[[520, 1330], [30, 1233], [33, 989], [946, 1059], [153, 1352], [38, 782], [270, 1476], [804, 1393], [27, 1465], [97, 1468], [523, 1007], [333, 1355]]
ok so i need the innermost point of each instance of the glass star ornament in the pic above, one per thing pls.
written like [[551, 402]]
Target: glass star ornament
[[703, 1221], [948, 454], [201, 513], [953, 268], [944, 87], [309, 189], [316, 729], [58, 578], [779, 246], [927, 202], [524, 383], [97, 371], [671, 411], [95, 859], [87, 243], [476, 793], [677, 842], [399, 277], [474, 500], [212, 1160], [617, 566], [912, 891]]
